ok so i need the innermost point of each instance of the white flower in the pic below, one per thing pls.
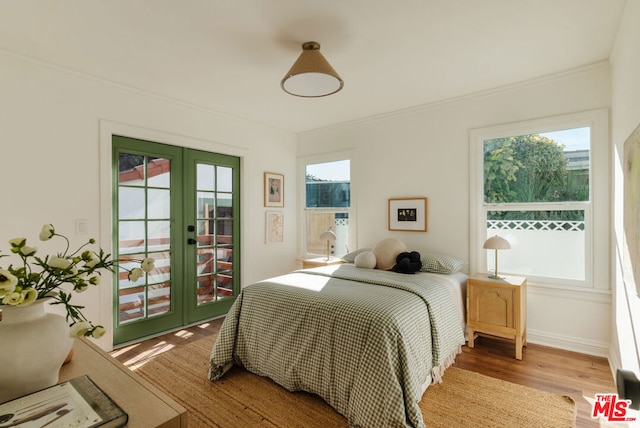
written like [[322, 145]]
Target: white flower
[[135, 274], [93, 259], [8, 282], [81, 288], [59, 262], [98, 332], [17, 242], [79, 329], [147, 264], [47, 232], [29, 295], [37, 277], [14, 299], [73, 272], [28, 251]]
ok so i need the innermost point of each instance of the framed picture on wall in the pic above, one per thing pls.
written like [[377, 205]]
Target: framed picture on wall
[[273, 190], [408, 214], [274, 227]]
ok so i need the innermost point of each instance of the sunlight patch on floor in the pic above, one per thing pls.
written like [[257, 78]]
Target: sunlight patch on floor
[[146, 356], [183, 334], [122, 351]]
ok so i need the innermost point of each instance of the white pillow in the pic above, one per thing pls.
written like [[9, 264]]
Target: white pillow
[[351, 257], [386, 252], [365, 260]]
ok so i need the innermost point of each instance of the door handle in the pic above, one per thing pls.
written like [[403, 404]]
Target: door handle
[[191, 241]]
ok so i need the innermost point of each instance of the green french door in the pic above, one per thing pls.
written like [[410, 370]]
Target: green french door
[[182, 208]]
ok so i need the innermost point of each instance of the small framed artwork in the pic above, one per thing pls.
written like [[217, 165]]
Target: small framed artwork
[[408, 214], [273, 190], [274, 227]]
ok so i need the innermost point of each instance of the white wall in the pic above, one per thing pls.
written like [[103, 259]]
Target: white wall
[[52, 125], [425, 152], [625, 117]]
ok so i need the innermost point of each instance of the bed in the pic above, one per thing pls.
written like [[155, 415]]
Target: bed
[[369, 342]]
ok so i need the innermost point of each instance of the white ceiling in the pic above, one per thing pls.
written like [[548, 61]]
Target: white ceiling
[[229, 56]]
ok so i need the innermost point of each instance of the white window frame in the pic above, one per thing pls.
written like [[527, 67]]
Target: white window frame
[[597, 255], [302, 197]]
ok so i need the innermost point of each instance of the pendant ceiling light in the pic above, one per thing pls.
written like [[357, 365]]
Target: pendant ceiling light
[[311, 75]]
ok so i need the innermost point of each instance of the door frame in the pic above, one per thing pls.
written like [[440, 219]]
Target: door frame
[[104, 313]]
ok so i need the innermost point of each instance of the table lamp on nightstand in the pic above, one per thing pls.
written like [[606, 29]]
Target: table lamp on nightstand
[[496, 243], [329, 236]]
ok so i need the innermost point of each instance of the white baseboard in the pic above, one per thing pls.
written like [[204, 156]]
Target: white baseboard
[[569, 343]]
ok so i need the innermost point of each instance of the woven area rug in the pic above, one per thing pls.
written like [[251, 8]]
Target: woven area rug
[[240, 398]]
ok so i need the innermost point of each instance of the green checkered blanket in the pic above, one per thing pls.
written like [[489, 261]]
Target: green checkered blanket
[[366, 341]]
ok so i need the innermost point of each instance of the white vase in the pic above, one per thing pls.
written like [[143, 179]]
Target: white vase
[[34, 345]]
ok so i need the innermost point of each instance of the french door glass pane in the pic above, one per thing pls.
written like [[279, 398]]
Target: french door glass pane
[[225, 179], [159, 172], [206, 235], [205, 204], [132, 203], [225, 230], [206, 177], [206, 261], [131, 236], [159, 235], [159, 203], [131, 169], [159, 299], [161, 272], [224, 205]]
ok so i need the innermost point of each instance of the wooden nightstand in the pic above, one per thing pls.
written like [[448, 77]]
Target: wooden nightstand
[[498, 307], [321, 261]]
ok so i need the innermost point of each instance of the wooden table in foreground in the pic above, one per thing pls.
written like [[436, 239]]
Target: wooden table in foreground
[[145, 404]]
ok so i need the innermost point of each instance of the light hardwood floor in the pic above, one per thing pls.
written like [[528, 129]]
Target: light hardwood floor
[[549, 369]]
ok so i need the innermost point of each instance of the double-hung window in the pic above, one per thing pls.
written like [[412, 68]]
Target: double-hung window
[[535, 184], [327, 206]]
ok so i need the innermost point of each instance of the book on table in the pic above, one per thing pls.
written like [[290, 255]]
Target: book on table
[[78, 403]]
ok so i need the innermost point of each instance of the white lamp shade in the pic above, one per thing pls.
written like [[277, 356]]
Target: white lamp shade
[[496, 243], [328, 235]]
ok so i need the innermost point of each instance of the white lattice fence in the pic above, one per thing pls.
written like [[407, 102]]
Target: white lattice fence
[[567, 226]]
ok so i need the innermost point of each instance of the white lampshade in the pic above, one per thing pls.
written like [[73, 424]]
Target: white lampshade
[[496, 243], [311, 75], [328, 235]]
